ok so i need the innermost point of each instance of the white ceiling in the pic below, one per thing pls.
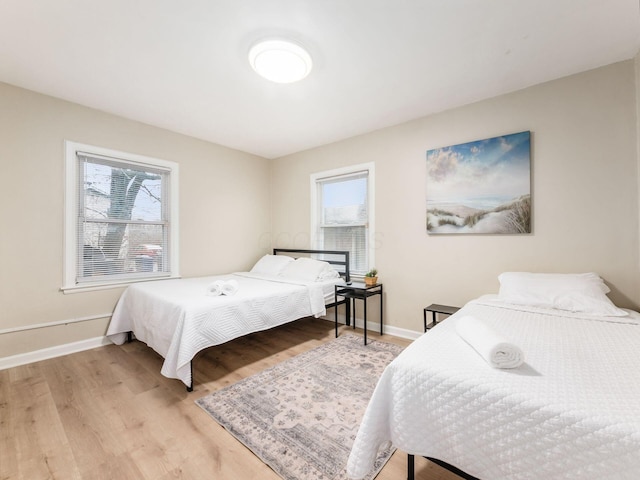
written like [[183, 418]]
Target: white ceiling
[[182, 64]]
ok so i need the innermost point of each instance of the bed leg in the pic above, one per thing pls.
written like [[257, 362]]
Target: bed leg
[[411, 467], [129, 337], [190, 387]]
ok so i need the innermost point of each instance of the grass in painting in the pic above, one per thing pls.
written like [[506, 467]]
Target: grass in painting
[[446, 221], [512, 217], [471, 220], [439, 212], [519, 219]]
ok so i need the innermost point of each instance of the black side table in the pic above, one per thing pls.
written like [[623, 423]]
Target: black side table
[[358, 291], [435, 308]]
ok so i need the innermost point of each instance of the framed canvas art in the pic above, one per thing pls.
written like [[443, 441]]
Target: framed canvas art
[[480, 187]]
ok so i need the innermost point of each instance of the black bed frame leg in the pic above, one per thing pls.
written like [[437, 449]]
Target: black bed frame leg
[[411, 466]]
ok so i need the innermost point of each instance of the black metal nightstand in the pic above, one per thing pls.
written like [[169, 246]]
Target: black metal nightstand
[[434, 308], [354, 292]]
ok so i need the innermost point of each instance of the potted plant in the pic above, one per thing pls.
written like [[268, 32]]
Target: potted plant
[[371, 277]]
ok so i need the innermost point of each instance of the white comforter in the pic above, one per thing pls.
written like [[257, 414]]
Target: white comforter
[[572, 411], [178, 319]]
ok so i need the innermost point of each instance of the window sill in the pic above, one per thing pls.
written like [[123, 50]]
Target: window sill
[[110, 285]]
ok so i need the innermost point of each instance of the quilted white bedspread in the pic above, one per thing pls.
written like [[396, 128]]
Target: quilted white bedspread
[[177, 319], [572, 411]]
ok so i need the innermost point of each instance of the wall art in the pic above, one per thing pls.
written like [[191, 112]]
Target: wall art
[[480, 187]]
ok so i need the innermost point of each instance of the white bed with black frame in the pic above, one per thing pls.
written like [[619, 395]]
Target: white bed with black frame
[[180, 317], [570, 411]]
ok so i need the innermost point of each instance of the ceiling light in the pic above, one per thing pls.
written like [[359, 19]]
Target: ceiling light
[[280, 61]]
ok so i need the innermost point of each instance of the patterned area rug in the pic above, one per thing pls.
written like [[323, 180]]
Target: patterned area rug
[[301, 416]]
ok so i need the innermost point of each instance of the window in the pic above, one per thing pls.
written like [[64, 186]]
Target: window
[[121, 218], [342, 213]]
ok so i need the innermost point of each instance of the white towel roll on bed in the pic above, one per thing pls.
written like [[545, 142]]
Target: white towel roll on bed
[[488, 343], [230, 287], [214, 289]]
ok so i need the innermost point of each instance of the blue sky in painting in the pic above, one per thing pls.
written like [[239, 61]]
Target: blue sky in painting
[[496, 168]]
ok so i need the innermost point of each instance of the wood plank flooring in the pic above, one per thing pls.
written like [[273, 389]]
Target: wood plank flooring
[[107, 413]]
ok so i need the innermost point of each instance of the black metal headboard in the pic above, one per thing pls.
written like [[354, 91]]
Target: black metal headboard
[[340, 258]]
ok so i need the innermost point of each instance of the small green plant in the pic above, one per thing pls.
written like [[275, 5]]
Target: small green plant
[[371, 273]]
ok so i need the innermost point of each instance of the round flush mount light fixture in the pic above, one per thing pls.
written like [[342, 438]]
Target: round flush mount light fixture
[[280, 61]]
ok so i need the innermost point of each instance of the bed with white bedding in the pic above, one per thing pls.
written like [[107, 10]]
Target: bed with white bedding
[[570, 411], [180, 317]]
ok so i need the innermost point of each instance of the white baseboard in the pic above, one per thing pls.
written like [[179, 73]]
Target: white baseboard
[[399, 332], [67, 348], [375, 327], [52, 352]]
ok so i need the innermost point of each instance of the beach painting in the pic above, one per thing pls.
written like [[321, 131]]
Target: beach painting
[[480, 187]]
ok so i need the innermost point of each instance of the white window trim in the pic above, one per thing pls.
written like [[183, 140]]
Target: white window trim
[[71, 200], [371, 195]]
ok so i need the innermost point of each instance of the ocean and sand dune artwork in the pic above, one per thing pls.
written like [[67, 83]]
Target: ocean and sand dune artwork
[[480, 187]]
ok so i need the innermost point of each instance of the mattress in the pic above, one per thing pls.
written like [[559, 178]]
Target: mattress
[[178, 319], [571, 411]]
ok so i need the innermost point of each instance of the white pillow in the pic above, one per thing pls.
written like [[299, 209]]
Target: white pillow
[[306, 269], [328, 273], [575, 292], [271, 264]]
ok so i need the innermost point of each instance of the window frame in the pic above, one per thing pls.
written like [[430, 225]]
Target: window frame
[[72, 200], [315, 206]]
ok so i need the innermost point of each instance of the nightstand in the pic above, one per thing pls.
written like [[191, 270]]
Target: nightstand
[[434, 308], [354, 292]]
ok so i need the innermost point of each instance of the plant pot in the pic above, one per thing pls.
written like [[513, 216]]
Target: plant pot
[[370, 280]]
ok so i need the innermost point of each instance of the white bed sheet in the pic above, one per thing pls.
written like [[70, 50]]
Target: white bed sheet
[[178, 319], [572, 411]]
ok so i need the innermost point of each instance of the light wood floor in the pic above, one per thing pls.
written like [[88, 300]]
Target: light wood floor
[[107, 413]]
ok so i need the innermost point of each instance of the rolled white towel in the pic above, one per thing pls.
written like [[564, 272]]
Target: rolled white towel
[[495, 350], [230, 287], [214, 289]]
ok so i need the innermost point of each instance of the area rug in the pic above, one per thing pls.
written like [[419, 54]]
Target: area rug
[[301, 416]]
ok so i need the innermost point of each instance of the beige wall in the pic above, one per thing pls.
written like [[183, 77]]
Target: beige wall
[[224, 211], [637, 65], [584, 190], [585, 143]]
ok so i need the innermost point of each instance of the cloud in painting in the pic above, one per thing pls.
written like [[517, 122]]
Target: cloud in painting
[[442, 163], [505, 146], [497, 166]]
